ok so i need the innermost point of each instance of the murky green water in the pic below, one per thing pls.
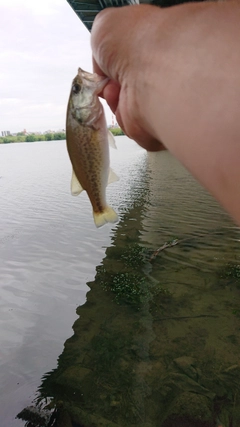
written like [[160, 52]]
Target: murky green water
[[157, 341]]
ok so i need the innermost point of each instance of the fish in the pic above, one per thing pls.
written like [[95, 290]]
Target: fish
[[88, 140]]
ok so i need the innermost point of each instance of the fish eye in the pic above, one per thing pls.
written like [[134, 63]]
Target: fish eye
[[76, 88]]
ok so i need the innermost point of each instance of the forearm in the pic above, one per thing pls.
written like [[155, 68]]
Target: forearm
[[193, 106], [175, 78]]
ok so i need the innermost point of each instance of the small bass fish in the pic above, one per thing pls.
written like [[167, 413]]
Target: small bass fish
[[88, 142]]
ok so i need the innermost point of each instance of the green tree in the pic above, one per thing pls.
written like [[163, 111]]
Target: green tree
[[116, 131], [48, 136], [30, 138], [59, 135]]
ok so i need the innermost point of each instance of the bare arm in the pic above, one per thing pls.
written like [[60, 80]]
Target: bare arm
[[176, 79]]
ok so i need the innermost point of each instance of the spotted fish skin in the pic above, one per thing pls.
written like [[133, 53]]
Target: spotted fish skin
[[88, 144]]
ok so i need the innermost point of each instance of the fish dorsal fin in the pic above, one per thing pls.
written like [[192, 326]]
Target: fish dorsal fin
[[112, 177], [76, 187], [111, 140]]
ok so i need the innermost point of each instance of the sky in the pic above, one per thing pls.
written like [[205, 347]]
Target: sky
[[42, 44]]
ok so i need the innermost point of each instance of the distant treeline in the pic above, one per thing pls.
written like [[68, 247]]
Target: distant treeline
[[20, 137], [117, 131]]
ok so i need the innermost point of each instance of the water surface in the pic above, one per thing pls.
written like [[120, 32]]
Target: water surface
[[159, 330]]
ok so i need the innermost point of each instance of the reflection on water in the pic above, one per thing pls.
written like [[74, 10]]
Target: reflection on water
[[157, 341]]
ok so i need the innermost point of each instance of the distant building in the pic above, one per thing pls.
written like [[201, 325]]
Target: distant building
[[114, 123], [48, 131], [5, 132]]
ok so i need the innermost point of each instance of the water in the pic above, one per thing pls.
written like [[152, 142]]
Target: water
[[157, 341]]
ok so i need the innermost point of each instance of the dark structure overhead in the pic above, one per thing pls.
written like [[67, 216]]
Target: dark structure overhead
[[88, 9]]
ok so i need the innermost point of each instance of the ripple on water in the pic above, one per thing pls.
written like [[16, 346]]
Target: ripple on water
[[49, 250]]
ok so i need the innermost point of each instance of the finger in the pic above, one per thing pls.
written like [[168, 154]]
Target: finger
[[141, 137], [96, 68], [101, 37], [111, 36], [111, 94], [152, 145], [111, 91], [117, 33]]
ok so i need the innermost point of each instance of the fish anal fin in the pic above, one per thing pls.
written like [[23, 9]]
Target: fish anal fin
[[112, 177], [108, 215], [111, 140], [76, 187]]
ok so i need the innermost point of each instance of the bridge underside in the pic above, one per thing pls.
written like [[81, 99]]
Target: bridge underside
[[88, 9]]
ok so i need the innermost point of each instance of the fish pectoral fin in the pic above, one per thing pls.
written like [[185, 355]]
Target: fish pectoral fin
[[111, 140], [76, 187], [112, 177]]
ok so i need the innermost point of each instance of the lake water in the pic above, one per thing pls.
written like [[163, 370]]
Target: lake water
[[106, 324]]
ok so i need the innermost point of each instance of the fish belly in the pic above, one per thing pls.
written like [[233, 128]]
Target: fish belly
[[89, 154]]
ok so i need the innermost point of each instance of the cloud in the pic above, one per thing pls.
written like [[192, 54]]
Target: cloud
[[42, 44], [43, 7]]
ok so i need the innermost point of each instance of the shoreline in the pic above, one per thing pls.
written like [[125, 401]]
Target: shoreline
[[57, 136]]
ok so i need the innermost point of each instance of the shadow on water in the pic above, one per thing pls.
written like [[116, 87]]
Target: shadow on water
[[157, 342]]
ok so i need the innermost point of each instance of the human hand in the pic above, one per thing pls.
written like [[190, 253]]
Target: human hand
[[174, 77], [122, 52]]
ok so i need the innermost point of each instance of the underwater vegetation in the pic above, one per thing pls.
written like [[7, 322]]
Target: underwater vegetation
[[232, 271], [132, 289], [229, 276], [134, 255], [126, 287], [129, 285]]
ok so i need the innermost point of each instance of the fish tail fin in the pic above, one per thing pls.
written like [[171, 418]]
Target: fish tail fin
[[108, 215]]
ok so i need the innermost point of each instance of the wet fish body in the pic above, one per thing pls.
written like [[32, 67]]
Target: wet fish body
[[88, 144]]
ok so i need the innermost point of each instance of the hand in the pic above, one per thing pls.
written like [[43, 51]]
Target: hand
[[122, 52], [174, 77]]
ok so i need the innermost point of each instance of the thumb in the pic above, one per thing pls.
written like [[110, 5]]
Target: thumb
[[114, 39]]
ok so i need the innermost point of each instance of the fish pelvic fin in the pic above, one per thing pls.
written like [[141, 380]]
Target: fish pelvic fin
[[76, 187], [111, 140], [112, 177], [108, 215]]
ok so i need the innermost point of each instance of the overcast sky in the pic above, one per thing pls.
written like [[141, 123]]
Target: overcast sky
[[42, 44]]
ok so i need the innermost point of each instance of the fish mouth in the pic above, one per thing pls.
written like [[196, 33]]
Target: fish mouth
[[101, 84], [93, 80]]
